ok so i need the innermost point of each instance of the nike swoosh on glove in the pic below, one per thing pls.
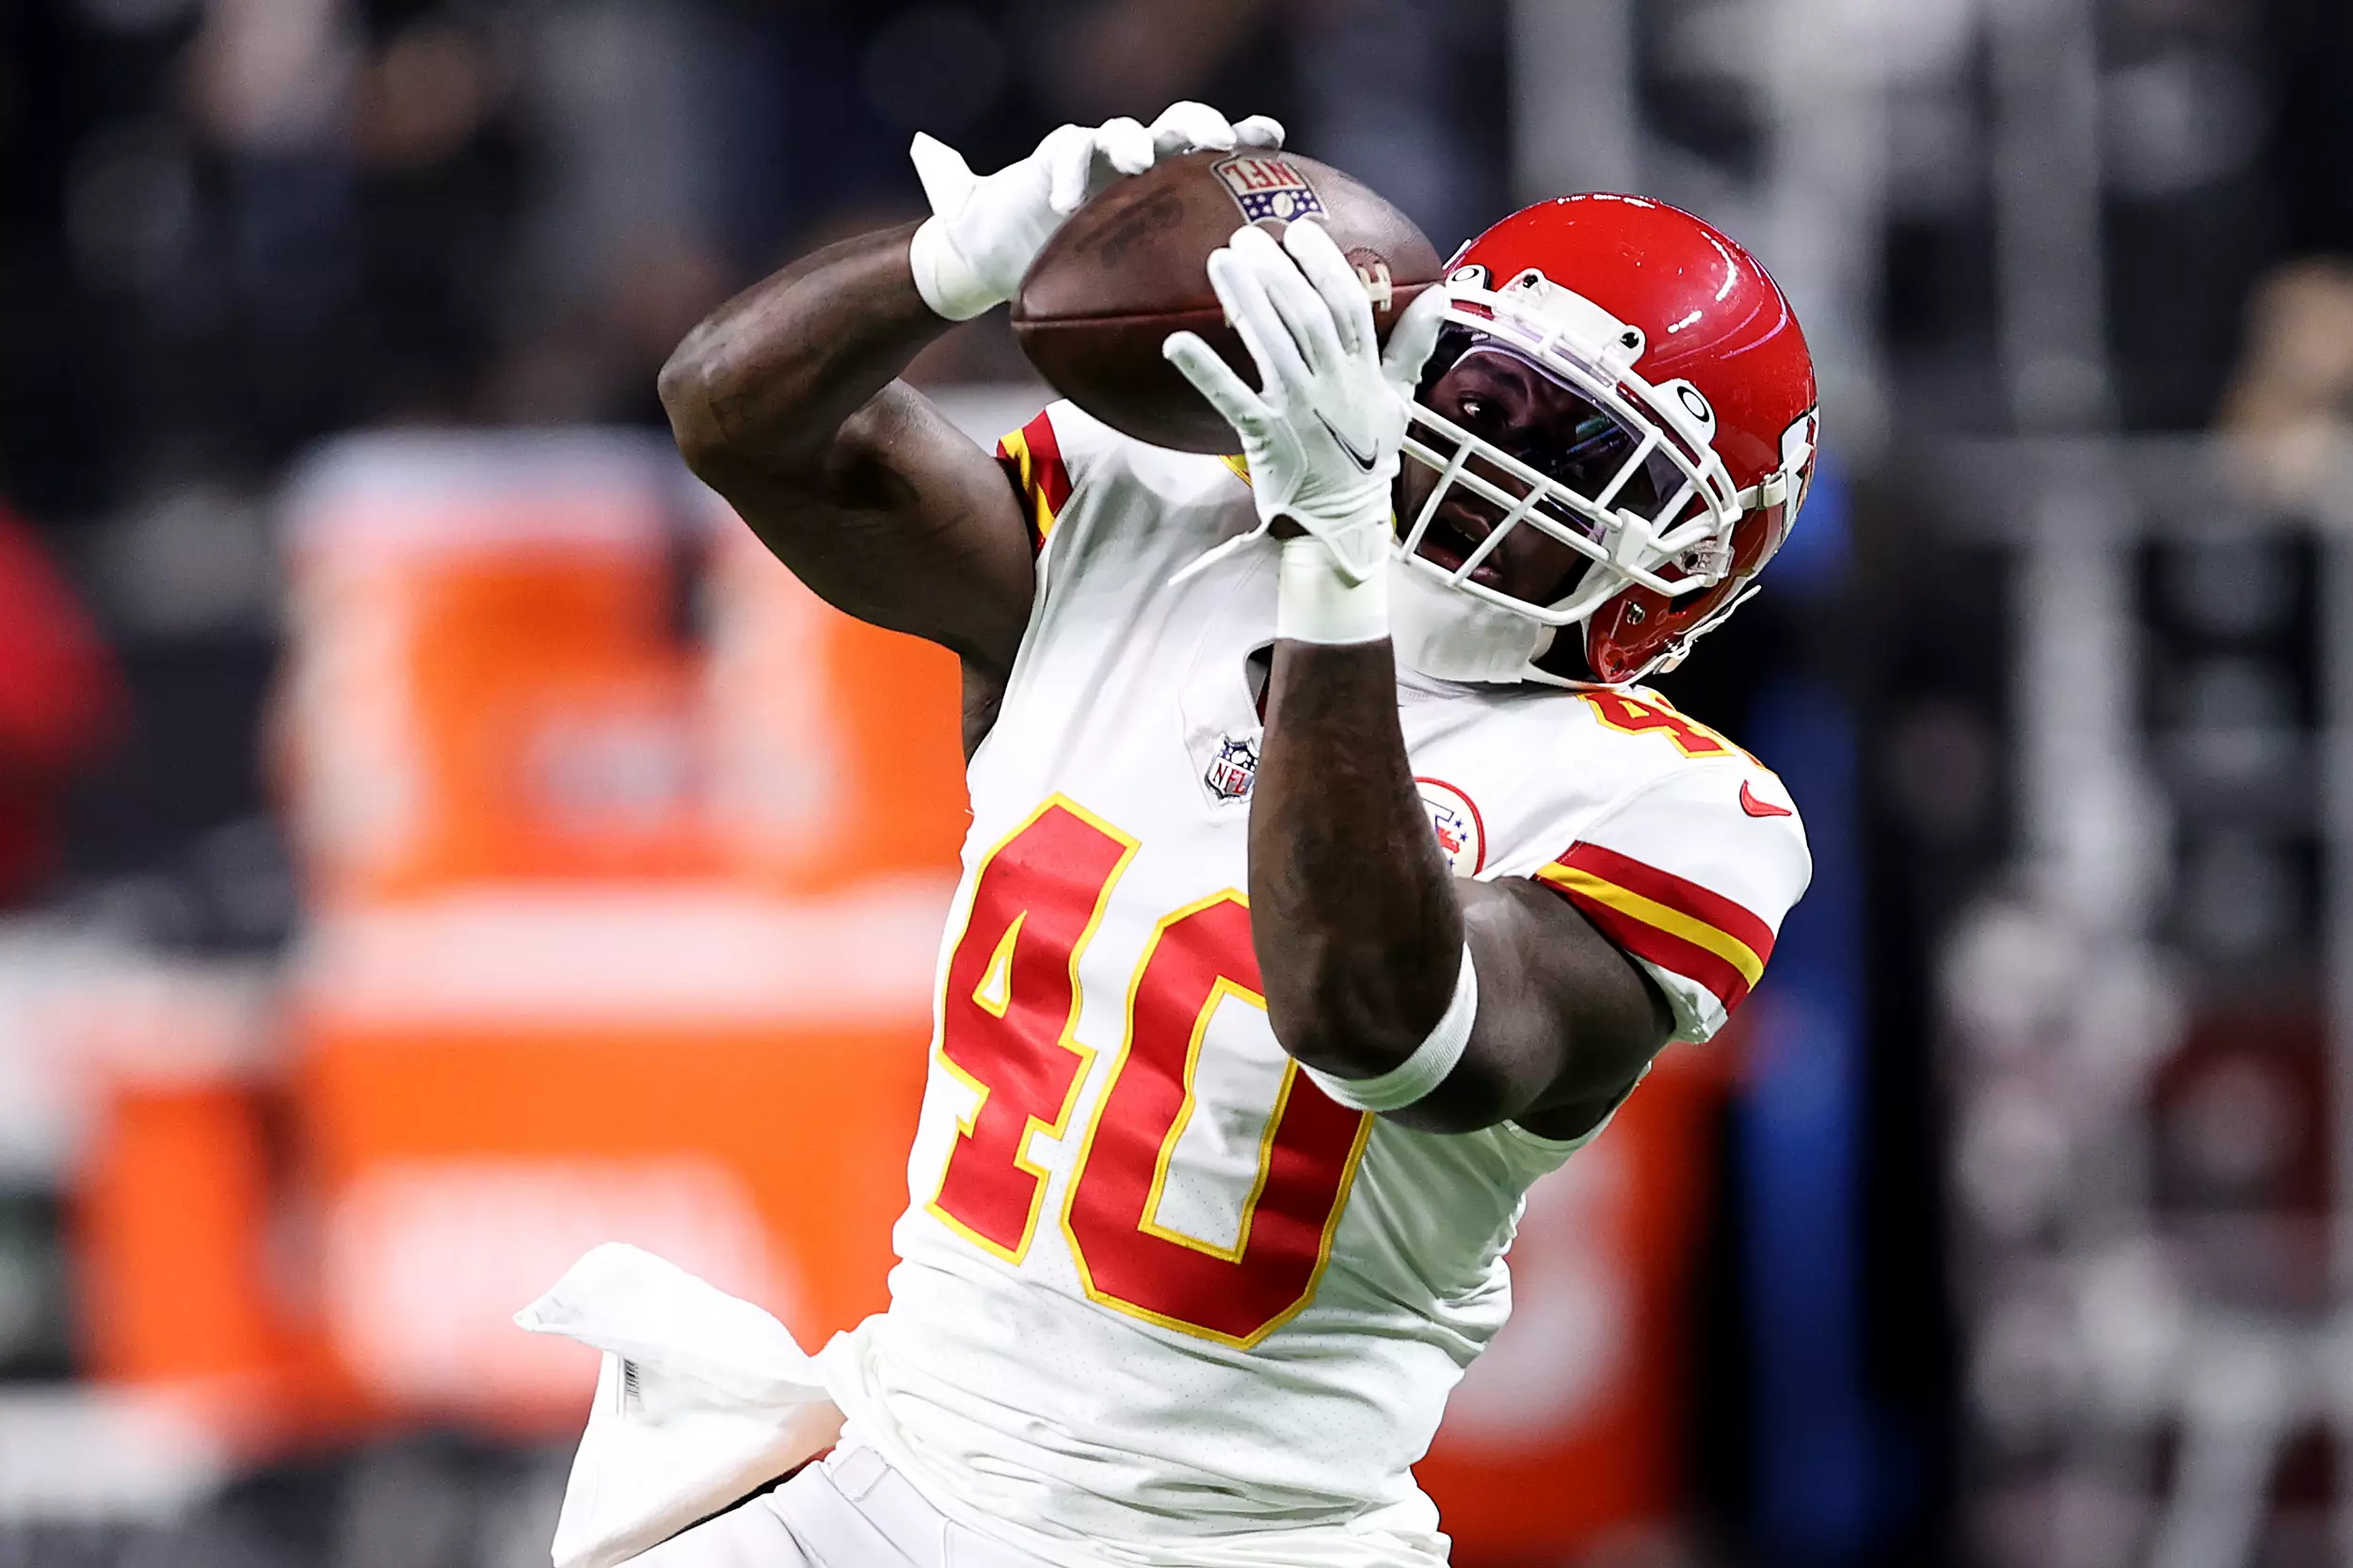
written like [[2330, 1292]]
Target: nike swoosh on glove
[[1322, 431], [983, 233]]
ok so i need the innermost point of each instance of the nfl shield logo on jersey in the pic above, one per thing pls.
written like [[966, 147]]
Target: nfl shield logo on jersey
[[1234, 768], [1461, 832], [1268, 188]]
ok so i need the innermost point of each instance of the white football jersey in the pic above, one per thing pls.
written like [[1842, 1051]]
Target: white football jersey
[[1160, 1300]]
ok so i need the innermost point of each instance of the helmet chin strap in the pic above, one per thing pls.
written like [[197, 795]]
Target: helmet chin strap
[[1447, 636]]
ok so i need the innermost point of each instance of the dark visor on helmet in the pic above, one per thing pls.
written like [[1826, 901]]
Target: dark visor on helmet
[[1502, 396]]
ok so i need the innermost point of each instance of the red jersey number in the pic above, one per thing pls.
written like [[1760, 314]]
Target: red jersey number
[[1011, 998]]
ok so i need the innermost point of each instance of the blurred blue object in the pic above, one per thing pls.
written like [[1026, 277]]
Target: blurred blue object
[[1814, 558], [1801, 1119]]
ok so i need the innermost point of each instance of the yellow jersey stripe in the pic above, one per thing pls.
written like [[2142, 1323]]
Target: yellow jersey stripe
[[1651, 912]]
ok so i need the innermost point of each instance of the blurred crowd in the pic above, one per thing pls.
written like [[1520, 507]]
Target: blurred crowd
[[294, 216], [229, 228]]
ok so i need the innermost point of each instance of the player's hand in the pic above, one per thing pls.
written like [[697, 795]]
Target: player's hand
[[1322, 431], [985, 232]]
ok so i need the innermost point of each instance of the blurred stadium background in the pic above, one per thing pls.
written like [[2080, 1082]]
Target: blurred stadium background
[[434, 840]]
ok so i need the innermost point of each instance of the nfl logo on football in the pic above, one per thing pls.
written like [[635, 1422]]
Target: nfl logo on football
[[1234, 768], [1268, 188]]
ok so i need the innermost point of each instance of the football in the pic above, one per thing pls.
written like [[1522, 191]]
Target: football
[[1132, 267]]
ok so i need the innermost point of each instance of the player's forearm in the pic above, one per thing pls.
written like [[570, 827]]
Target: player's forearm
[[1357, 924], [770, 378]]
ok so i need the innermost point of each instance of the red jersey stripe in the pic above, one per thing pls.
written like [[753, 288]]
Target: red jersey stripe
[[1666, 919], [1662, 947], [1685, 897], [1032, 458]]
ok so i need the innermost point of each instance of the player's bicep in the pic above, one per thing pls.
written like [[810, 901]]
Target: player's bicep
[[906, 524], [1566, 1020]]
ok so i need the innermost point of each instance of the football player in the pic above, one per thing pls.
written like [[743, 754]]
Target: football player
[[1331, 878]]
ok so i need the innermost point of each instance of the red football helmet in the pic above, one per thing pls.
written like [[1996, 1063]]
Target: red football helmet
[[1680, 486]]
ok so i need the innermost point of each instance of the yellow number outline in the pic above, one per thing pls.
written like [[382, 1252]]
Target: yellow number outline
[[1068, 1038]]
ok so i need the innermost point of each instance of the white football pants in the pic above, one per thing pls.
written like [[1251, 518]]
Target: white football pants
[[848, 1510]]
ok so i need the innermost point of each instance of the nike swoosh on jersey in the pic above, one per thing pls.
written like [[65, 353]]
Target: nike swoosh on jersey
[[1756, 808]]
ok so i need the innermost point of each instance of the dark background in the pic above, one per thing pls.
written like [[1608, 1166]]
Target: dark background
[[229, 229]]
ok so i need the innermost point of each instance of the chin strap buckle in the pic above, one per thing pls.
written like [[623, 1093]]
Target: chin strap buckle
[[1709, 561]]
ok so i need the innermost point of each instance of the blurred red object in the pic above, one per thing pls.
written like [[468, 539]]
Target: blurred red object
[[178, 1251], [60, 702]]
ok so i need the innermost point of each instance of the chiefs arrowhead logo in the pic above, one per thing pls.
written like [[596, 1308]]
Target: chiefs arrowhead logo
[[1454, 818], [1756, 808]]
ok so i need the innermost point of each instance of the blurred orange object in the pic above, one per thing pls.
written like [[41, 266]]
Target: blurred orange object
[[616, 936], [485, 682], [174, 1211], [726, 1080], [836, 751]]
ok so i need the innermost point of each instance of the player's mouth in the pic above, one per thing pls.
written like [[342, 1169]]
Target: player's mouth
[[1452, 536]]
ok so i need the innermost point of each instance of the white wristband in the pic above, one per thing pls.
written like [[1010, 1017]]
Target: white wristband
[[1413, 1079], [1314, 602], [944, 278]]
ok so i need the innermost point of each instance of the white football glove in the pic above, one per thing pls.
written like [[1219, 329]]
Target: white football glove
[[1323, 432], [984, 234]]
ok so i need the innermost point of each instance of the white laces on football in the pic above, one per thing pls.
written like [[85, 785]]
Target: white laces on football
[[984, 232], [1322, 431]]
